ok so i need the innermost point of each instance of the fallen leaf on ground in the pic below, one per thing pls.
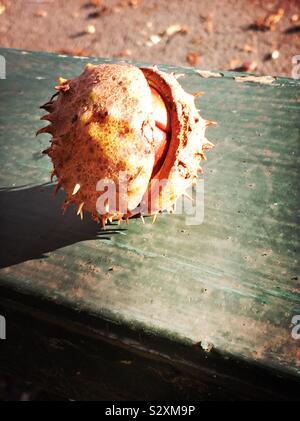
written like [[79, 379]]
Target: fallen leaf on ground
[[154, 39], [192, 58], [265, 80], [91, 29], [41, 13], [249, 48], [208, 23], [74, 52], [134, 3], [247, 66], [197, 40], [293, 30], [275, 55], [173, 30], [207, 73], [124, 53], [95, 3], [179, 75]]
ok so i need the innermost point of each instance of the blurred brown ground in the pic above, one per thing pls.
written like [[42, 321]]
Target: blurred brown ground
[[214, 34]]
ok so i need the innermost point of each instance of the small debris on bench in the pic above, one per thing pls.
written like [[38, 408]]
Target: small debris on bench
[[207, 73], [167, 34]]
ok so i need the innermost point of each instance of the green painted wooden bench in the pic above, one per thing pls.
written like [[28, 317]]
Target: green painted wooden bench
[[164, 311]]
